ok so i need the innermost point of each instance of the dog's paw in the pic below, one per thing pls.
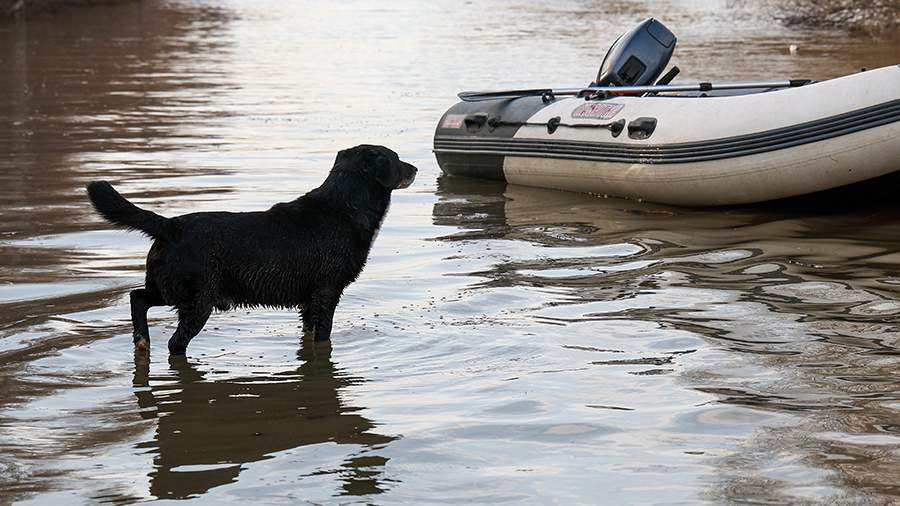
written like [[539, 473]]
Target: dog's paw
[[142, 344], [177, 349]]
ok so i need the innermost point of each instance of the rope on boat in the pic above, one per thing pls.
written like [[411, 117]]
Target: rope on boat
[[476, 121]]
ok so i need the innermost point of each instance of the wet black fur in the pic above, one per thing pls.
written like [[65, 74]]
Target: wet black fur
[[298, 254]]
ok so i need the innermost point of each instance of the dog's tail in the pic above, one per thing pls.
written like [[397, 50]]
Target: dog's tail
[[119, 211]]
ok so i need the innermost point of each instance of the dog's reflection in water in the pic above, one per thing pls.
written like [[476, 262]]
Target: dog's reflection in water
[[208, 428]]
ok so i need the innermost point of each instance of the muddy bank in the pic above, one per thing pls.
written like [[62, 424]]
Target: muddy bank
[[868, 15]]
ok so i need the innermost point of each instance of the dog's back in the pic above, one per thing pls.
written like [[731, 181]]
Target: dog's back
[[271, 258]]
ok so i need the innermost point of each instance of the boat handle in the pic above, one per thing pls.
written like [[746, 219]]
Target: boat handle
[[474, 122], [641, 128]]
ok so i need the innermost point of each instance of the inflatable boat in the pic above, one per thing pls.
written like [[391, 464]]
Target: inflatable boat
[[632, 134]]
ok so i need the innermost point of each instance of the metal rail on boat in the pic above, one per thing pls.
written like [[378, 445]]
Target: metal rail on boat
[[591, 91]]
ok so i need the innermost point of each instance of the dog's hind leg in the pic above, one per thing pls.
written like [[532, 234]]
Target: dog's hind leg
[[309, 329], [142, 300], [191, 320], [318, 314]]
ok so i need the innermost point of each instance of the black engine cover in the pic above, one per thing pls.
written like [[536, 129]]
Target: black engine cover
[[638, 57]]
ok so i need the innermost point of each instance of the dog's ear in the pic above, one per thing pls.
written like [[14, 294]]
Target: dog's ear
[[385, 170]]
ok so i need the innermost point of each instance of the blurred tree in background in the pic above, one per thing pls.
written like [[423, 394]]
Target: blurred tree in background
[[26, 7]]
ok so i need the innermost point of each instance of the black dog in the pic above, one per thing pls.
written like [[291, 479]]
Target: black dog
[[298, 254]]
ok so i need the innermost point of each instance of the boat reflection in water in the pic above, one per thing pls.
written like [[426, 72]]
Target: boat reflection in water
[[786, 312], [208, 428]]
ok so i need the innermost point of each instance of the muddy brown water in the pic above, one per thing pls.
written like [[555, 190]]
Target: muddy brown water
[[504, 344]]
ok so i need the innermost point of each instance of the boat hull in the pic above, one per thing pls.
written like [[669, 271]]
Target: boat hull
[[698, 152]]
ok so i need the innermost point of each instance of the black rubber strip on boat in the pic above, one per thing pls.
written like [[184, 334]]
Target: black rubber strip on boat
[[846, 120], [730, 147], [490, 165]]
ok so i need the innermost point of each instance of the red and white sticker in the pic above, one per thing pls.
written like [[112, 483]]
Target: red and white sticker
[[595, 110], [453, 121]]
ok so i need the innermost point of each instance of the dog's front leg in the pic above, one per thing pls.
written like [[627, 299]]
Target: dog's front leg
[[318, 314]]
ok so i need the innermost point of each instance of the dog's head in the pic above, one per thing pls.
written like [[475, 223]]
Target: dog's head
[[378, 163]]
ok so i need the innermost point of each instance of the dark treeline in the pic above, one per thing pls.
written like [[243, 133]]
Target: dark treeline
[[841, 14]]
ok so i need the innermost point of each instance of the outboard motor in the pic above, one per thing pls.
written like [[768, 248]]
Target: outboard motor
[[638, 57]]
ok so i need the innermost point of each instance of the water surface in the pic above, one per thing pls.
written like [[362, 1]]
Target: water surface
[[504, 344]]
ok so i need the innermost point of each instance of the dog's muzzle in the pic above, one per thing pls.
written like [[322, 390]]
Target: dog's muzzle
[[408, 172]]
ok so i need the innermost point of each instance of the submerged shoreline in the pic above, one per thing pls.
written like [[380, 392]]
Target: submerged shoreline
[[503, 344]]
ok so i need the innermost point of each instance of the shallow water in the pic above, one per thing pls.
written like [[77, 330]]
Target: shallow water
[[504, 344]]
